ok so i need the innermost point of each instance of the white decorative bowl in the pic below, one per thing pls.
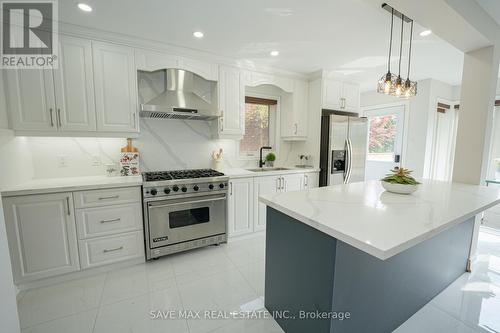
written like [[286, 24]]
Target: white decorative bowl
[[399, 188]]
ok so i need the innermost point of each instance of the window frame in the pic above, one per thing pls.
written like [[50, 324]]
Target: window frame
[[274, 118]]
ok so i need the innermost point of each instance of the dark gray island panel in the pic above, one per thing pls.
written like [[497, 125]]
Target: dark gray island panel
[[307, 270]]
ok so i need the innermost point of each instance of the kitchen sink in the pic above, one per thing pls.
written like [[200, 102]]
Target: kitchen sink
[[268, 169]]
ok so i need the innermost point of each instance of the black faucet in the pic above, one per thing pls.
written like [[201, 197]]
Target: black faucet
[[261, 162]]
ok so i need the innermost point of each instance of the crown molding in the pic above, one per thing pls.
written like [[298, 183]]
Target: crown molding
[[147, 44]]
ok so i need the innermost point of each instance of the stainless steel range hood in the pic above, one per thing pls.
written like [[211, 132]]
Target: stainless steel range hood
[[178, 101]]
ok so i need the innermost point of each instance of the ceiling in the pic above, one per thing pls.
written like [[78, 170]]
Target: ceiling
[[492, 7], [348, 37]]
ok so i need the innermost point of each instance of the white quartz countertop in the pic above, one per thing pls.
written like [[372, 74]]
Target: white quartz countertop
[[243, 173], [380, 223], [53, 185]]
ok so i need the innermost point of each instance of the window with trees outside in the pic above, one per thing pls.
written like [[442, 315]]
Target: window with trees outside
[[382, 137], [258, 121]]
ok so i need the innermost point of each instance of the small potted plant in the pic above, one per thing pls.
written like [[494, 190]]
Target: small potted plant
[[270, 158], [399, 181], [497, 169]]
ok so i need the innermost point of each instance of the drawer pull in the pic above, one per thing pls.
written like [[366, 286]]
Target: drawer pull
[[111, 197], [112, 250], [109, 221]]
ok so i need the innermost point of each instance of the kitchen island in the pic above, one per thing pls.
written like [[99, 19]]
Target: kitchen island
[[354, 258]]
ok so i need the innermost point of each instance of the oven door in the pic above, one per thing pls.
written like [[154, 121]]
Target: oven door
[[178, 220]]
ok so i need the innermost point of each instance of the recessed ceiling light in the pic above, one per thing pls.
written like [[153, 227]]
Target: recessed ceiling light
[[426, 33], [84, 7], [198, 34], [275, 53]]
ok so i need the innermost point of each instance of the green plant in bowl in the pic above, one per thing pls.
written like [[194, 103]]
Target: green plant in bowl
[[400, 176], [399, 181]]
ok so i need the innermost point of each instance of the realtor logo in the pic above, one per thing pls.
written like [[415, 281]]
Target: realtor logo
[[29, 34]]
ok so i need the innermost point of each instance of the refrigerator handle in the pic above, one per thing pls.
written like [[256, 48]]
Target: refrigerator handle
[[349, 161], [346, 161]]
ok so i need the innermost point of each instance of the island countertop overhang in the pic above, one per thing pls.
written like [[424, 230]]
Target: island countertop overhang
[[380, 223]]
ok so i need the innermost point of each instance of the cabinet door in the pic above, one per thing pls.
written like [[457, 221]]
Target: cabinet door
[[42, 236], [294, 119], [115, 88], [74, 86], [350, 93], [293, 182], [263, 186], [311, 180], [31, 99], [332, 94], [240, 206], [231, 102]]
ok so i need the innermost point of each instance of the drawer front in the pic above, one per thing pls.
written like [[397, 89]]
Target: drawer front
[[103, 221], [106, 197], [108, 250]]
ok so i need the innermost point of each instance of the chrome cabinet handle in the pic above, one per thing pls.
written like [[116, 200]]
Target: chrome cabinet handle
[[278, 183], [230, 188], [51, 118], [112, 197], [67, 206], [112, 220], [306, 181], [113, 250], [222, 120], [59, 117], [295, 129]]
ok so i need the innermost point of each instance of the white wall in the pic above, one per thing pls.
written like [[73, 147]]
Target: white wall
[[421, 113]]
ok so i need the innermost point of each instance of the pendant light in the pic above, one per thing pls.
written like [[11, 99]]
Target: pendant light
[[391, 84], [410, 87], [399, 82], [385, 84]]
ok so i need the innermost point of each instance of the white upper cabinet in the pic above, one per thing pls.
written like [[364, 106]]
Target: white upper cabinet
[[74, 86], [231, 102], [294, 114], [351, 96], [31, 99], [115, 88], [342, 96], [42, 235]]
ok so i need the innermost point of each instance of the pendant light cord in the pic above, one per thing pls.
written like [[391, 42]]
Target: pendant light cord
[[401, 44], [390, 42], [409, 52]]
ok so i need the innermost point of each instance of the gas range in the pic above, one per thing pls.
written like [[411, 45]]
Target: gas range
[[183, 210], [177, 182]]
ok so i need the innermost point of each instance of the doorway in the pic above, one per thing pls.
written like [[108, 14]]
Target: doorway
[[386, 126]]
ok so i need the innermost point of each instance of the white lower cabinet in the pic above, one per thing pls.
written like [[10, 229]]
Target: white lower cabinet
[[240, 206], [264, 186], [111, 249], [245, 213], [42, 235], [55, 234]]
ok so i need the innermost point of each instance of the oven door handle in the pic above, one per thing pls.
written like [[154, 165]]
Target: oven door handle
[[152, 205]]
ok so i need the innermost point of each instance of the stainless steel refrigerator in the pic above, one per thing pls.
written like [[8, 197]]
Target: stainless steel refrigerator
[[343, 146]]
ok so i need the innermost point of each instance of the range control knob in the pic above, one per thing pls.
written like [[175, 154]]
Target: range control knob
[[175, 188], [154, 192], [166, 190], [184, 189], [221, 185], [211, 186], [196, 188]]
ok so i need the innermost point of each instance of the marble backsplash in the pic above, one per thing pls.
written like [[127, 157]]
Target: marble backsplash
[[163, 145]]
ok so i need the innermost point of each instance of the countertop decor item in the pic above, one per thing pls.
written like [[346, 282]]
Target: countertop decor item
[[270, 158], [129, 160], [217, 159], [399, 181], [497, 168]]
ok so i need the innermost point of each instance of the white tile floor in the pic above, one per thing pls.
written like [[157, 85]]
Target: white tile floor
[[226, 278]]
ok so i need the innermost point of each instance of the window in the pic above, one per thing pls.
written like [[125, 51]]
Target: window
[[258, 124], [382, 137]]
